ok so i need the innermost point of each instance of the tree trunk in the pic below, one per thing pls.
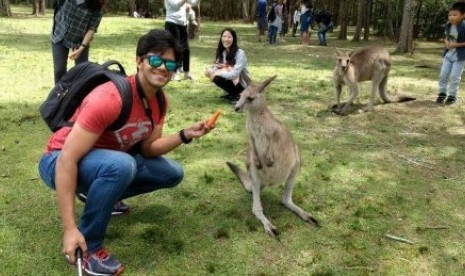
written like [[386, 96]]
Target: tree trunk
[[366, 23], [5, 8], [343, 17], [38, 7], [405, 44], [245, 11], [131, 7], [359, 23]]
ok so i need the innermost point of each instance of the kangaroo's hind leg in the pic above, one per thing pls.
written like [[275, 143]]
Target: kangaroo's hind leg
[[289, 203], [383, 90]]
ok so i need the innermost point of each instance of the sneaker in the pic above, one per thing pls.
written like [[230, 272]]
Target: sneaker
[[175, 77], [102, 263], [451, 100], [120, 208], [188, 76], [441, 97], [229, 97], [234, 100]]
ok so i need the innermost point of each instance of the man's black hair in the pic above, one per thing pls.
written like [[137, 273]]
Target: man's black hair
[[458, 6], [158, 41]]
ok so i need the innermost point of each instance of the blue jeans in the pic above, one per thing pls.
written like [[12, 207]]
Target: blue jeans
[[272, 34], [322, 32], [451, 71], [107, 176]]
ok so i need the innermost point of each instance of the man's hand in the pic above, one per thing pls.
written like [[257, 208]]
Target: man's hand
[[72, 239], [75, 53]]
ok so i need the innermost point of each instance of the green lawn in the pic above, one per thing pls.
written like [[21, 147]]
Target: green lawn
[[397, 170]]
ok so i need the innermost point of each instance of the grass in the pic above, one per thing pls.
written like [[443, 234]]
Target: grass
[[397, 170]]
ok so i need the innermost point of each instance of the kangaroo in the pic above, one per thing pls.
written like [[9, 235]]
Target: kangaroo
[[273, 157], [363, 64]]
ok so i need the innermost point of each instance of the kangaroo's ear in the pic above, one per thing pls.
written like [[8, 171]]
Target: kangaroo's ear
[[350, 53], [264, 84], [339, 52]]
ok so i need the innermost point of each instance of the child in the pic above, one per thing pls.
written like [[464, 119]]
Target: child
[[454, 54], [190, 14]]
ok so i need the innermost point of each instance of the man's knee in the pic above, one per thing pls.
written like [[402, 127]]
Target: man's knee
[[175, 174]]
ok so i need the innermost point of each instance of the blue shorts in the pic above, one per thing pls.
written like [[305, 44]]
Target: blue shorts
[[305, 21]]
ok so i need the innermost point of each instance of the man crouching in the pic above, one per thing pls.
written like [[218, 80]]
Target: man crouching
[[89, 158]]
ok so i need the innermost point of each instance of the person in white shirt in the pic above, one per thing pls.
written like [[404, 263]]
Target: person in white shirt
[[295, 21], [176, 23], [230, 71]]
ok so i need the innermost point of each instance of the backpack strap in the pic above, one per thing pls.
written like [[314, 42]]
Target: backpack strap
[[124, 89], [114, 62]]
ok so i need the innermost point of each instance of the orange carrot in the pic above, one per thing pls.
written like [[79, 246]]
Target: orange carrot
[[212, 120]]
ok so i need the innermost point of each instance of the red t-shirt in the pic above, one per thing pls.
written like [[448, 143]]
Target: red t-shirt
[[101, 108]]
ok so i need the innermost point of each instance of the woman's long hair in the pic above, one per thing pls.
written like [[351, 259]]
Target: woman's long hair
[[231, 55]]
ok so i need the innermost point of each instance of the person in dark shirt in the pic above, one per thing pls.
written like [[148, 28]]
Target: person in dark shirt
[[74, 25], [325, 22]]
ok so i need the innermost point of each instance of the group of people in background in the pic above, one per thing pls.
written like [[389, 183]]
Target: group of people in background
[[277, 24]]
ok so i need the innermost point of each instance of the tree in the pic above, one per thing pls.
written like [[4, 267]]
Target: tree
[[405, 43], [360, 12], [366, 22], [38, 7], [343, 19], [5, 8], [132, 7]]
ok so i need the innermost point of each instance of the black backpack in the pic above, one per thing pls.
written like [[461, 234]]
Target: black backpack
[[75, 85], [272, 13]]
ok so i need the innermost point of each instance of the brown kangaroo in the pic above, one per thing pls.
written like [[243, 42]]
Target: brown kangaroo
[[363, 64], [273, 157]]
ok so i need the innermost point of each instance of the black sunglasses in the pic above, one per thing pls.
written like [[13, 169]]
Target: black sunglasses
[[156, 61]]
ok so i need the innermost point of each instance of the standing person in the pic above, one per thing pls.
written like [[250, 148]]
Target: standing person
[[325, 22], [295, 20], [305, 21], [276, 24], [230, 69], [454, 54], [89, 158], [74, 25], [262, 21], [285, 18], [176, 24]]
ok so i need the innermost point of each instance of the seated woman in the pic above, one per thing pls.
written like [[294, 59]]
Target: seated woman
[[230, 69]]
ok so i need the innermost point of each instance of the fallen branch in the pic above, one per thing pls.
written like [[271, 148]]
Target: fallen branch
[[399, 239], [419, 228]]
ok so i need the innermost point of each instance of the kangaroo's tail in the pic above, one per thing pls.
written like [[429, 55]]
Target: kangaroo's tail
[[405, 99], [241, 175], [396, 99]]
